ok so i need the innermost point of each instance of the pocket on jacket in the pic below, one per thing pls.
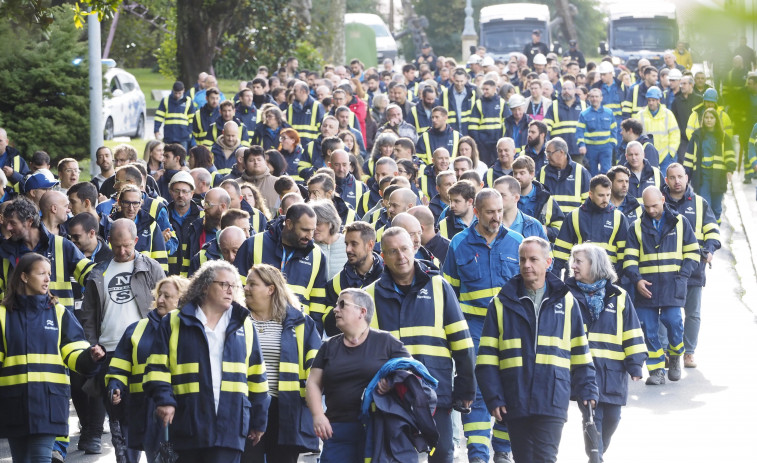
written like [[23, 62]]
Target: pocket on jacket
[[561, 393], [306, 422], [13, 408], [183, 422], [245, 418], [58, 399], [615, 382], [681, 287], [468, 268]]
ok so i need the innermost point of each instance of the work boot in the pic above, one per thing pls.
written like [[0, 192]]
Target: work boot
[[503, 457], [674, 373], [93, 446], [688, 361], [656, 377]]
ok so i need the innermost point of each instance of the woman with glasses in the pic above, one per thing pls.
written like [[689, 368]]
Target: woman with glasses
[[129, 206], [343, 367], [267, 134], [153, 156], [276, 315], [291, 149], [206, 373]]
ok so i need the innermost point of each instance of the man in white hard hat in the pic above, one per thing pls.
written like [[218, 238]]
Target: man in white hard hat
[[539, 63], [516, 124], [612, 89]]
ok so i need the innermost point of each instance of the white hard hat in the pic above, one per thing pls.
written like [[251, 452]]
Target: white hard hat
[[675, 74], [540, 59], [474, 59], [516, 101], [605, 68], [487, 61]]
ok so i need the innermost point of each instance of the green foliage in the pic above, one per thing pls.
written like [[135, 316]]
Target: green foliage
[[166, 53], [45, 103], [308, 56], [264, 33], [362, 6], [134, 42]]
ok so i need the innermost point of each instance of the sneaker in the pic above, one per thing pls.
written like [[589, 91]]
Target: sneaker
[[674, 373], [688, 361], [503, 457], [57, 457], [656, 377]]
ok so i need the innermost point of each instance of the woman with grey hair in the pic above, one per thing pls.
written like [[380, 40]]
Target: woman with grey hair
[[328, 236], [342, 369], [384, 147], [615, 337], [206, 373]]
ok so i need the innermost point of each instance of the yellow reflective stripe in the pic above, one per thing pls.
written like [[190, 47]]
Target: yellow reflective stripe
[[632, 333], [514, 343], [473, 310], [453, 281], [258, 369], [483, 440], [187, 388], [257, 251], [580, 359], [50, 359], [608, 354], [289, 386], [257, 388], [487, 360], [234, 367], [185, 368], [462, 344], [481, 293], [659, 269], [69, 348], [288, 367], [34, 377], [456, 327], [548, 359], [121, 364], [436, 351], [501, 434], [488, 341], [477, 426], [512, 362], [234, 386], [553, 341]]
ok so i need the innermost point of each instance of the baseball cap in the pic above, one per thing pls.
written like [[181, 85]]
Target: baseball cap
[[182, 176], [38, 180], [536, 32]]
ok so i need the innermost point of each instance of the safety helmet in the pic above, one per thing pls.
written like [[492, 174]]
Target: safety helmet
[[710, 95], [654, 92]]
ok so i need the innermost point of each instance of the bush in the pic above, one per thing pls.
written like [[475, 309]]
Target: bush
[[45, 97]]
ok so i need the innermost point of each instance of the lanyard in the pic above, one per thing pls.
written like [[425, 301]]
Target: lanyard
[[286, 258]]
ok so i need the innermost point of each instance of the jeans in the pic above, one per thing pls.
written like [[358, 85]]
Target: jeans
[[650, 319], [346, 444], [37, 448], [715, 200], [536, 439], [606, 419], [692, 321], [598, 159]]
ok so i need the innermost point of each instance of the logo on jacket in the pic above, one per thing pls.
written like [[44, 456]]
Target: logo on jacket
[[608, 224], [146, 232], [689, 210], [308, 111], [50, 325], [559, 308], [570, 177], [423, 294], [240, 331], [610, 307]]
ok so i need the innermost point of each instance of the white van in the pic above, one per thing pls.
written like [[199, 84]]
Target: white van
[[385, 44], [506, 28]]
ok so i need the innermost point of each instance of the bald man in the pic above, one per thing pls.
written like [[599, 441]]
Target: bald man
[[671, 255], [430, 239], [54, 206], [203, 229], [225, 147]]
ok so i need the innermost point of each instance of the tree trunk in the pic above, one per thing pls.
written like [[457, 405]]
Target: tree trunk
[[568, 26], [198, 31]]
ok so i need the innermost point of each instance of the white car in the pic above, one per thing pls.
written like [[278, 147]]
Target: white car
[[124, 107]]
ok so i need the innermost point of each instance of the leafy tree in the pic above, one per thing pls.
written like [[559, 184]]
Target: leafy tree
[[45, 103]]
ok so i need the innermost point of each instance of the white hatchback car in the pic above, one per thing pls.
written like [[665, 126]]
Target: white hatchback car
[[124, 107]]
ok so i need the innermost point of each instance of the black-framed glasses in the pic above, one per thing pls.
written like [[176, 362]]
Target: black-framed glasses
[[132, 204], [225, 285]]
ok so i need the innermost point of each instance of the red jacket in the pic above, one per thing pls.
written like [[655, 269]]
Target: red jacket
[[360, 108]]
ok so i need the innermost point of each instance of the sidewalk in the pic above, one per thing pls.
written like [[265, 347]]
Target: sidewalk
[[744, 221]]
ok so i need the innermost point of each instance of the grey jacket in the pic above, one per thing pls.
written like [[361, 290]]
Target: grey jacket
[[147, 272]]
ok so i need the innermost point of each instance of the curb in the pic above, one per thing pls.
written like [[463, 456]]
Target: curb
[[745, 214]]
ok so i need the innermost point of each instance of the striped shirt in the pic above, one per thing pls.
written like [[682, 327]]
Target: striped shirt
[[269, 336]]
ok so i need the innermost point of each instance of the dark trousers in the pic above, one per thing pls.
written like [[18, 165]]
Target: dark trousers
[[445, 448], [535, 439], [606, 419], [268, 449], [90, 410], [347, 443], [36, 448], [210, 455]]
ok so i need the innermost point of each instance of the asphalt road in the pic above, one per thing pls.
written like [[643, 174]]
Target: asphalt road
[[707, 416]]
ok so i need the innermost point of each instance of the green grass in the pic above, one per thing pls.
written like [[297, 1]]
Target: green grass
[[149, 81]]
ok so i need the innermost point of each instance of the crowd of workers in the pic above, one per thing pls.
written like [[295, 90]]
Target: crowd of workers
[[515, 234]]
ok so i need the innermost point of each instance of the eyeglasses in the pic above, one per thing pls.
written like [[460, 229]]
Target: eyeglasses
[[132, 204], [284, 138], [181, 192], [226, 286], [550, 153], [341, 303], [208, 205], [71, 171]]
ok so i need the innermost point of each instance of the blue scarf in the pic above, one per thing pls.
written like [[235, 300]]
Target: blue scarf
[[595, 297]]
